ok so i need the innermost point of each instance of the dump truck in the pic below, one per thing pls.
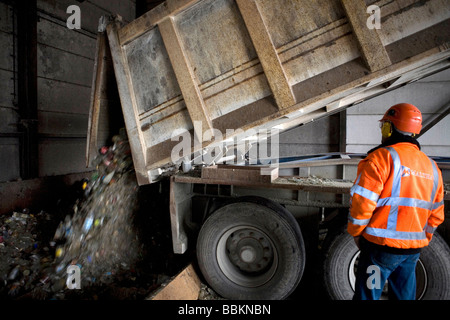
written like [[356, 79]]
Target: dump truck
[[204, 87]]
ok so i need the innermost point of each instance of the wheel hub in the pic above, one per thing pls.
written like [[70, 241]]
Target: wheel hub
[[249, 250], [247, 256]]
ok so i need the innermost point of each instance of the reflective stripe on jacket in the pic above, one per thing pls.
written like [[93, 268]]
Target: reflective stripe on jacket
[[397, 198]]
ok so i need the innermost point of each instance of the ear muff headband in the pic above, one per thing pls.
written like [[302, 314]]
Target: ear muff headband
[[386, 129]]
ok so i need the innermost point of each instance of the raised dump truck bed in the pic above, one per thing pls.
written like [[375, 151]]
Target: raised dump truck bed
[[241, 71], [187, 69]]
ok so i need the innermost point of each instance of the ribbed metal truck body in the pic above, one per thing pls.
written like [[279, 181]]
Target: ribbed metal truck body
[[193, 69]]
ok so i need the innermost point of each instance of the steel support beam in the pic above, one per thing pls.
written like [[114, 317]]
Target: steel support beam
[[433, 120]]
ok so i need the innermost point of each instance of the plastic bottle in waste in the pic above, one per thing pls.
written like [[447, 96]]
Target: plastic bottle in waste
[[14, 273], [108, 177], [88, 222]]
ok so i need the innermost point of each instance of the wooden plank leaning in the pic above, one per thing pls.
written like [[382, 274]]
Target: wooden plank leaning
[[94, 112]]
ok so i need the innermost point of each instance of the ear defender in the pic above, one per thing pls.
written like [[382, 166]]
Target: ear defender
[[386, 129]]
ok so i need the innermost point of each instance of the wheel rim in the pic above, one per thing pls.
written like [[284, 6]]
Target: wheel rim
[[247, 256], [421, 277]]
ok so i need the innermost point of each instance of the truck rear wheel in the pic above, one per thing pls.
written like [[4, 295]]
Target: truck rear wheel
[[432, 270], [251, 249]]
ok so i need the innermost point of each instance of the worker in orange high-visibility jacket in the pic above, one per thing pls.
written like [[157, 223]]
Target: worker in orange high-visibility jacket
[[396, 205]]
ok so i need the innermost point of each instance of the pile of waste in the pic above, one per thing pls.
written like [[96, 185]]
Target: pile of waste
[[100, 238], [114, 243], [24, 258]]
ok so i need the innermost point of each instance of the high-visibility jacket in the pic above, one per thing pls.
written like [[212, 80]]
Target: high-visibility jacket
[[397, 199]]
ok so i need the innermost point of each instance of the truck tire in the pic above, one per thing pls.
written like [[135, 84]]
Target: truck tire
[[432, 270], [251, 249]]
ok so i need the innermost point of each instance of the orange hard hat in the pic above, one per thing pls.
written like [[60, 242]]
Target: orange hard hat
[[405, 117]]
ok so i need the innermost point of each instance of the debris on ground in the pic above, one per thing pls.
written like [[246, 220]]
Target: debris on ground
[[206, 293], [116, 234], [24, 258]]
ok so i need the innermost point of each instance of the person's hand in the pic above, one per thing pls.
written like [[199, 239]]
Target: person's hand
[[356, 241]]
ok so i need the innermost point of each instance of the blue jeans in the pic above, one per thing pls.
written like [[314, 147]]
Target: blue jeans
[[375, 266]]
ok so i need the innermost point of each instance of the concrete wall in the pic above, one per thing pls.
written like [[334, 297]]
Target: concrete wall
[[428, 94], [9, 117], [65, 61], [319, 136]]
